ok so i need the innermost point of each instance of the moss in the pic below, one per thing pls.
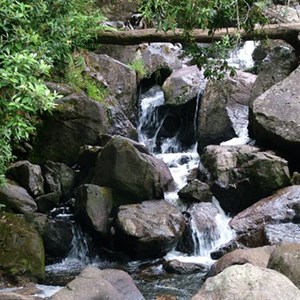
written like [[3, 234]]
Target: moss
[[139, 67]]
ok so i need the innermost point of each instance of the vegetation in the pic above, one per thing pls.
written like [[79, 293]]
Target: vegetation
[[211, 15], [139, 67], [36, 36]]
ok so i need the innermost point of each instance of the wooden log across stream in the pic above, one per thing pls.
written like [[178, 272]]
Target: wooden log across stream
[[285, 31]]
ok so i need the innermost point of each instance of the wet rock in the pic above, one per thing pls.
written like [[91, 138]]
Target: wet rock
[[179, 267], [226, 248], [92, 207], [196, 191], [149, 229], [275, 115], [15, 296], [46, 203], [223, 112], [93, 283], [242, 175], [29, 176], [281, 207], [122, 167], [21, 248], [285, 260], [287, 233], [255, 256], [248, 281], [16, 199], [183, 84], [60, 137]]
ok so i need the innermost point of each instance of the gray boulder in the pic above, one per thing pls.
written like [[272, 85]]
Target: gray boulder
[[29, 176], [60, 137], [248, 282], [183, 85], [223, 112], [285, 260], [46, 203], [16, 198], [149, 229], [275, 115], [92, 283], [242, 175], [286, 233], [93, 205], [124, 168]]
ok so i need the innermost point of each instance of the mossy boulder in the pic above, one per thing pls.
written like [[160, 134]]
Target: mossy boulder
[[21, 248]]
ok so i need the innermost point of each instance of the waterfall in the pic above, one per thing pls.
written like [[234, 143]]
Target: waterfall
[[180, 162]]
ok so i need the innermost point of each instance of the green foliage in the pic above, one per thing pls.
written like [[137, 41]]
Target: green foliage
[[34, 37], [139, 67], [210, 15]]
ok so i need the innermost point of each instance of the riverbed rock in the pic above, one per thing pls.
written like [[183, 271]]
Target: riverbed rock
[[275, 115], [281, 207], [255, 256], [92, 283], [16, 198], [92, 207], [286, 233], [47, 202], [136, 175], [196, 191], [183, 85], [21, 248], [29, 176], [285, 259], [248, 282], [223, 112], [60, 137], [149, 229], [179, 267], [242, 175]]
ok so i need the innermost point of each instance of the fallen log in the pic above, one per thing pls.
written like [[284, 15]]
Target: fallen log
[[288, 32]]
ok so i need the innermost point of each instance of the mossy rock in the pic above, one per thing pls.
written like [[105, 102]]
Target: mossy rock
[[21, 248]]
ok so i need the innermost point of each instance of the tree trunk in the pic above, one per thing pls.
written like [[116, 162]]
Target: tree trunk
[[288, 32]]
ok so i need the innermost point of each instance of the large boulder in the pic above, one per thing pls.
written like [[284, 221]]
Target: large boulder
[[21, 248], [183, 84], [285, 259], [92, 283], [93, 205], [275, 115], [149, 229], [29, 176], [16, 198], [125, 166], [248, 282], [60, 137], [285, 233], [282, 207], [242, 175], [223, 111]]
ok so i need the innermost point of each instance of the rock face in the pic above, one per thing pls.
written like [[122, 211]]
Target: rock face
[[196, 191], [183, 84], [60, 137], [29, 176], [286, 233], [275, 115], [122, 167], [92, 207], [93, 283], [149, 229], [248, 282], [282, 207], [242, 175], [220, 103], [16, 199], [21, 248], [285, 259]]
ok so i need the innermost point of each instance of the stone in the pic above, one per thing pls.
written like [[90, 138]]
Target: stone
[[93, 205], [179, 267], [60, 137], [183, 85], [140, 176], [92, 283], [149, 229], [242, 175], [196, 191], [286, 233], [27, 175], [285, 259], [248, 282], [16, 198], [46, 203], [21, 248]]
